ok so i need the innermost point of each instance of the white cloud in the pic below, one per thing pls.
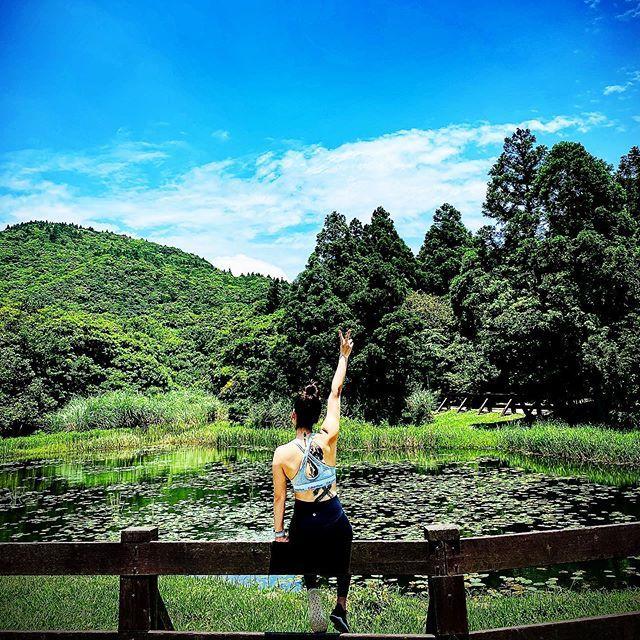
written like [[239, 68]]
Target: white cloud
[[632, 12], [621, 88], [262, 214], [615, 88], [221, 134], [240, 264], [114, 163]]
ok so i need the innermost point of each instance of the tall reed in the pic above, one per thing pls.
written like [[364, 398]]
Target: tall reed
[[126, 409]]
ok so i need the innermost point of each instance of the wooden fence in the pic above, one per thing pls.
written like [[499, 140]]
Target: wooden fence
[[139, 558], [503, 402]]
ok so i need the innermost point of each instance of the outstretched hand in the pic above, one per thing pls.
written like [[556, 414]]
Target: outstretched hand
[[346, 343]]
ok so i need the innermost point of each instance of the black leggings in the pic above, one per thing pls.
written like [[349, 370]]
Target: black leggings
[[324, 533]]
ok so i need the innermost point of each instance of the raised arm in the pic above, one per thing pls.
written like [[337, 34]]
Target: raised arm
[[331, 424]]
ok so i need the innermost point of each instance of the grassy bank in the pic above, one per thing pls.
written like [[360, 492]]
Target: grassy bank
[[582, 443], [214, 604], [449, 430], [552, 439]]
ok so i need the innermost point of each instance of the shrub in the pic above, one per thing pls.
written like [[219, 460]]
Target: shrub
[[420, 405], [270, 413]]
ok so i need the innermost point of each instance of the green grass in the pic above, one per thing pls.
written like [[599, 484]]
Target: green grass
[[213, 604], [551, 439], [583, 443], [125, 409]]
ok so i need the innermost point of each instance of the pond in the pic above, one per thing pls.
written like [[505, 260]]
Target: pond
[[206, 494]]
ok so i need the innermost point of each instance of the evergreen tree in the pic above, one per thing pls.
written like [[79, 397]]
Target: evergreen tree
[[276, 294], [357, 231], [388, 268], [381, 240], [577, 191], [444, 245], [356, 277], [511, 199], [539, 314], [628, 176], [319, 304]]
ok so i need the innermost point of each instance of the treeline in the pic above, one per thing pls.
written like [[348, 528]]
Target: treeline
[[543, 301]]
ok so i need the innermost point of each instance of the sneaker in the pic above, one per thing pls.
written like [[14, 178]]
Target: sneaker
[[317, 616], [339, 618]]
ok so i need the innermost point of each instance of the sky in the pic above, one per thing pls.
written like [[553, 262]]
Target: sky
[[231, 129]]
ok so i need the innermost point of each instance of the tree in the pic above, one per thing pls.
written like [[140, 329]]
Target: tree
[[628, 177], [511, 198], [381, 240], [356, 277], [577, 191], [276, 294], [548, 312], [388, 269], [318, 303], [445, 243]]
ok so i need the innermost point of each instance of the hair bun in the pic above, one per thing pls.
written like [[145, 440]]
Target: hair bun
[[311, 391]]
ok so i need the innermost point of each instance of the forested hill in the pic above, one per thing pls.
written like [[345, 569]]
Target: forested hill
[[83, 311], [44, 264]]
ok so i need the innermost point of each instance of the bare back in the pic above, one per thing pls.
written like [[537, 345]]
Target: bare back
[[290, 456]]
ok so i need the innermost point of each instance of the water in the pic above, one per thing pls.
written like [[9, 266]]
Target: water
[[203, 494]]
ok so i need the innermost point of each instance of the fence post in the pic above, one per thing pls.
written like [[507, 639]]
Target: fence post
[[138, 594], [447, 614]]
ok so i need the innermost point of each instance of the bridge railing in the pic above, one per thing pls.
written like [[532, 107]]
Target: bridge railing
[[139, 558]]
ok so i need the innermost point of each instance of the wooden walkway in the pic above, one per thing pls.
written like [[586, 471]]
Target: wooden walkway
[[139, 558]]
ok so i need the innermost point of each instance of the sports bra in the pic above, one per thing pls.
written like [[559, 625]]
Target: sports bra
[[313, 472]]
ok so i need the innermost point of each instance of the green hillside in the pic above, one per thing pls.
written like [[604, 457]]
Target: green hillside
[[83, 311], [44, 264]]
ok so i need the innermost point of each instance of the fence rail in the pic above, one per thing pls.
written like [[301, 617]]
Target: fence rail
[[139, 558], [503, 402]]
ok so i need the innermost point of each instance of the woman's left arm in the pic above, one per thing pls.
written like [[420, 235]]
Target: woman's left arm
[[279, 497]]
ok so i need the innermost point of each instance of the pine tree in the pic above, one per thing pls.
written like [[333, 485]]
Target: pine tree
[[381, 239], [511, 199], [333, 244], [575, 188], [444, 245]]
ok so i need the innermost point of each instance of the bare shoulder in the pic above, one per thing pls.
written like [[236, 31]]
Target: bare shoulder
[[282, 453], [277, 455]]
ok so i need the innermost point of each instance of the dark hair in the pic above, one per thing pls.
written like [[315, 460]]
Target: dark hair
[[308, 406]]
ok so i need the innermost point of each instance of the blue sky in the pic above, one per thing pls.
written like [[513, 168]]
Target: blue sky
[[230, 129]]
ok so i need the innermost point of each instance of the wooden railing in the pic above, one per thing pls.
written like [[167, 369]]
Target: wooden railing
[[503, 402], [139, 558]]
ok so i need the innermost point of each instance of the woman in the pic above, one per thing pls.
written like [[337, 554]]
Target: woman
[[318, 522]]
